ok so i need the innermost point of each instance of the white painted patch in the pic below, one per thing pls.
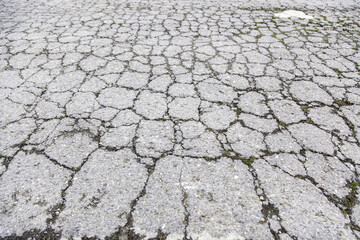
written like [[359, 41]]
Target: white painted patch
[[293, 13]]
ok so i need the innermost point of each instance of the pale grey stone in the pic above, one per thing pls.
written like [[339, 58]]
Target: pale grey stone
[[71, 149], [118, 137], [48, 110], [282, 142], [268, 83], [29, 188], [236, 81], [82, 103], [20, 60], [351, 151], [256, 57], [216, 92], [119, 98], [327, 118], [245, 141], [192, 129], [258, 123], [90, 207], [254, 103], [176, 85], [23, 96], [66, 82], [41, 78], [312, 137], [10, 79], [10, 112], [125, 117], [151, 105], [14, 134], [163, 201], [104, 114], [287, 111], [289, 163], [218, 117], [182, 90], [133, 80], [154, 138], [302, 206], [160, 83], [352, 113], [221, 201], [205, 145], [43, 131], [329, 173], [309, 92], [71, 58], [92, 63], [184, 108], [93, 84]]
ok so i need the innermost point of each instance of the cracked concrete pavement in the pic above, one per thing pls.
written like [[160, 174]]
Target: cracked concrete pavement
[[170, 119]]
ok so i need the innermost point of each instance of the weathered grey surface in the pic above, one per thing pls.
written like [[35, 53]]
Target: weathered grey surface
[[179, 119]]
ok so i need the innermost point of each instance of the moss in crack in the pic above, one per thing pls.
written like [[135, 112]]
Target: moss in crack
[[249, 161], [308, 120], [342, 102], [228, 153], [282, 124], [350, 200], [353, 185], [305, 110]]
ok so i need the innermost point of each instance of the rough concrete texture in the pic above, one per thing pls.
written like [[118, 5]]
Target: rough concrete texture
[[180, 119]]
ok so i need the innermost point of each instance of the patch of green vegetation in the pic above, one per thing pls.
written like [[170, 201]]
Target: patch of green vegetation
[[282, 124], [249, 161], [208, 159], [233, 122], [308, 120], [338, 72], [344, 211], [342, 102], [238, 111], [357, 228], [219, 103], [347, 203], [227, 153], [305, 110], [354, 185]]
